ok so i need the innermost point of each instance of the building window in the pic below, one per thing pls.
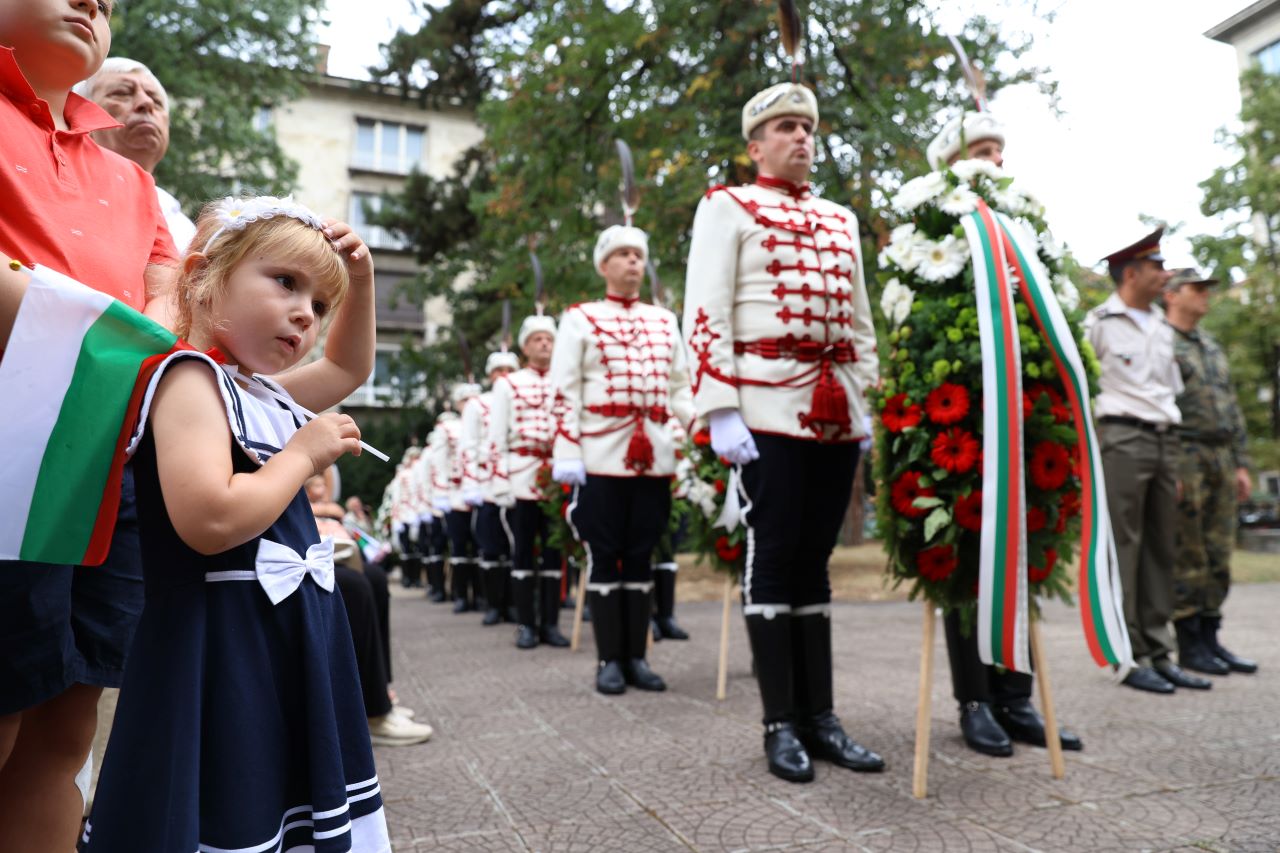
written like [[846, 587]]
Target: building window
[[362, 204], [390, 384], [387, 146], [1269, 58]]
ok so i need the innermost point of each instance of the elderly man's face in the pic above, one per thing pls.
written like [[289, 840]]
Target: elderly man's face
[[134, 100]]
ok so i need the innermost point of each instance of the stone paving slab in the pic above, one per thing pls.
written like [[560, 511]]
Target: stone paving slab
[[527, 757]]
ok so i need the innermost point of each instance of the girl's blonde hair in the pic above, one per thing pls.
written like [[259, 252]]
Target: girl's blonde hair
[[281, 238]]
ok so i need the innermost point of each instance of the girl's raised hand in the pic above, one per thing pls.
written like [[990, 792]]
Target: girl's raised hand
[[352, 249], [326, 438]]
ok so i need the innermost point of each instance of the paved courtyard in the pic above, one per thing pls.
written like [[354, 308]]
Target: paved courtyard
[[527, 757]]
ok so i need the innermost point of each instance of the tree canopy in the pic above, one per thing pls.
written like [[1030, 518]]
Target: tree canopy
[[1245, 316], [555, 83], [221, 62]]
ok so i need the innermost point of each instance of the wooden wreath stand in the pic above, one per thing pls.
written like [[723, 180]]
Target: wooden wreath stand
[[920, 773], [722, 672]]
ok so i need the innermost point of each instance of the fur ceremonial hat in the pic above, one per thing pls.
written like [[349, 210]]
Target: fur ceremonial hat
[[499, 360], [534, 324], [464, 391], [617, 237], [960, 133], [784, 99]]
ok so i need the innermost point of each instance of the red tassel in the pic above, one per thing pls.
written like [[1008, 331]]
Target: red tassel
[[640, 450], [830, 405]]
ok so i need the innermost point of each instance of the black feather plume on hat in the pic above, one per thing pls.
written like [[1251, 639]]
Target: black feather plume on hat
[[791, 31], [465, 351], [506, 325], [539, 292], [972, 76], [630, 192]]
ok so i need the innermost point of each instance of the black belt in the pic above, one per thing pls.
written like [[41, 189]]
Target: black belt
[[1138, 423]]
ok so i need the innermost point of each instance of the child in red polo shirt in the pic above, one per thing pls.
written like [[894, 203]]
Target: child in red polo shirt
[[91, 214]]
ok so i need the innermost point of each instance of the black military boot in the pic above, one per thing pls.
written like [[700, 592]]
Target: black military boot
[[524, 587], [816, 723], [637, 606], [460, 577], [411, 572], [435, 579], [970, 683], [1209, 627], [490, 574], [664, 596], [607, 628], [549, 617], [1193, 652], [1179, 677], [1014, 712], [770, 635]]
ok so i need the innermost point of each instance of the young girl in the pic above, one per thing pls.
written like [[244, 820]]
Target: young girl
[[240, 724]]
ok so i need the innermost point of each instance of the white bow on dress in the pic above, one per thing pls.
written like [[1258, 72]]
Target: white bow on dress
[[280, 569]]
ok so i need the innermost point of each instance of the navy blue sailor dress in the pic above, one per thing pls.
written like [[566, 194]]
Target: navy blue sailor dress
[[240, 724]]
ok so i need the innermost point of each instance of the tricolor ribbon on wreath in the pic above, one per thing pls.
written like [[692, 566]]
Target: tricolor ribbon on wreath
[[1004, 256]]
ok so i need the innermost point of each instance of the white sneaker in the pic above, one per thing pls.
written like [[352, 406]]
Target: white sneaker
[[402, 711], [394, 730]]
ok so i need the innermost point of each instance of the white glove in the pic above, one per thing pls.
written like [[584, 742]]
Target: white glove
[[473, 497], [867, 435], [730, 437], [442, 504], [571, 471]]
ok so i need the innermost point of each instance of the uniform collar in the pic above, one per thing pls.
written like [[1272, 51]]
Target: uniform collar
[[1116, 305], [82, 115], [624, 301], [796, 191]]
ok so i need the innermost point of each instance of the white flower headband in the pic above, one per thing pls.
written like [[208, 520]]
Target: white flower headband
[[235, 214]]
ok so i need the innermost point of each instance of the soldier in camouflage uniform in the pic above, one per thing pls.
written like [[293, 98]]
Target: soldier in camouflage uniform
[[1214, 472]]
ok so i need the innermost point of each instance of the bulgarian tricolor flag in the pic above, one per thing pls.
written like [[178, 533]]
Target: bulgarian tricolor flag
[[72, 378]]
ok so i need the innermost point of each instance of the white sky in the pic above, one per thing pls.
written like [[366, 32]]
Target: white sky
[[1142, 94]]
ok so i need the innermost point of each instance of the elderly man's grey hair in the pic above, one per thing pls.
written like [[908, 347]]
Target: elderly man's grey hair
[[119, 65]]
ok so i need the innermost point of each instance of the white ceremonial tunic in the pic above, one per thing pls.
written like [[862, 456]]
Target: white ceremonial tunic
[[522, 430], [776, 313], [446, 460], [619, 374], [474, 448], [420, 481], [1140, 377]]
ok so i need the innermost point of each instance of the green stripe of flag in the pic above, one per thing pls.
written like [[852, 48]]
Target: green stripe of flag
[[77, 461]]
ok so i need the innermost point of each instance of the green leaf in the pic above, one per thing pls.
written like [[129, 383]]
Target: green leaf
[[937, 519], [926, 502]]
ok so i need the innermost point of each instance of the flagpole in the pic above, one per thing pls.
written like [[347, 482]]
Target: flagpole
[[1054, 743], [924, 707]]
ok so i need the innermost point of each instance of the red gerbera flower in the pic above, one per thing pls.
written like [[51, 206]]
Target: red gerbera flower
[[955, 450], [1039, 573], [904, 493], [936, 563], [1036, 519], [702, 437], [968, 513], [1050, 465], [898, 414], [947, 404], [727, 552], [1068, 508], [1061, 414], [719, 485]]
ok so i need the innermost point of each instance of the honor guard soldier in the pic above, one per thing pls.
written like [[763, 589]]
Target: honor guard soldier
[[522, 432], [995, 703], [783, 349], [1137, 414], [446, 479], [619, 374], [1214, 473], [477, 488], [432, 541]]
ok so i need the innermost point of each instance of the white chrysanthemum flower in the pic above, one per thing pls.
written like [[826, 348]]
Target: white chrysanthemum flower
[[904, 248], [1010, 201], [896, 300], [917, 191], [703, 496], [944, 259], [1050, 246], [1068, 296], [960, 201], [967, 170], [1033, 205]]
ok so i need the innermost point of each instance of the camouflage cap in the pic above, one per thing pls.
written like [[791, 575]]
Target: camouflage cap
[[1187, 275]]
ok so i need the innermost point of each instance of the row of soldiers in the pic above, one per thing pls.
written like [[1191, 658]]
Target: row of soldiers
[[776, 357]]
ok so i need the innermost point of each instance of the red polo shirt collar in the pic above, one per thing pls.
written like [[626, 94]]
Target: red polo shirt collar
[[81, 114]]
